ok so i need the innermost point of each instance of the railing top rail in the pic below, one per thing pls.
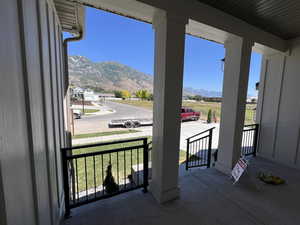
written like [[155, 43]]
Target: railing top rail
[[251, 125], [104, 152], [103, 144], [199, 139], [201, 133]]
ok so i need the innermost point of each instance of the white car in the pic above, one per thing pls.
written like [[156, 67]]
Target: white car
[[77, 114]]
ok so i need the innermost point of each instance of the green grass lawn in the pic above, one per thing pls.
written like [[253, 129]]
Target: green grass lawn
[[202, 107], [100, 134], [90, 110], [121, 161]]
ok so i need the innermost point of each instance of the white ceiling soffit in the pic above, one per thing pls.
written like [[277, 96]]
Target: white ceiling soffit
[[279, 17], [71, 16], [202, 23], [129, 8], [144, 12]]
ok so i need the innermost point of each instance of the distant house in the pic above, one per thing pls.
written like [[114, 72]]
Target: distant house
[[104, 96], [252, 99]]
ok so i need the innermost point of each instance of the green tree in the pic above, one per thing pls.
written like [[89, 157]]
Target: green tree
[[125, 94], [118, 94], [209, 119], [198, 97], [138, 94], [142, 94]]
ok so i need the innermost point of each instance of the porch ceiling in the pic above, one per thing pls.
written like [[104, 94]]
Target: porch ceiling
[[279, 17], [206, 21]]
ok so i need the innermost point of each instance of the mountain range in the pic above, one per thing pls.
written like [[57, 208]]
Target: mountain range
[[111, 76]]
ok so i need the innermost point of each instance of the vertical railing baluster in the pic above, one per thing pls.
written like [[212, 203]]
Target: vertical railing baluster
[[73, 181], [125, 169], [199, 152], [102, 173], [255, 139], [245, 143], [205, 151], [95, 185], [146, 166], [77, 185], [131, 167], [138, 167], [66, 182], [187, 153], [209, 148], [86, 182], [118, 168], [250, 142], [193, 148]]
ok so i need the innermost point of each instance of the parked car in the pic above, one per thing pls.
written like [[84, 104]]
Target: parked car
[[189, 114], [77, 114]]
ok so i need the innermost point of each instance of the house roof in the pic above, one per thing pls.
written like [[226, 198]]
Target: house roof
[[71, 15]]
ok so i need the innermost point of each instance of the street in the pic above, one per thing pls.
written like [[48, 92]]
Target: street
[[99, 123]]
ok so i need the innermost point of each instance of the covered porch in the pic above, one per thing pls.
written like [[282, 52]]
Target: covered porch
[[35, 128], [207, 197], [170, 25]]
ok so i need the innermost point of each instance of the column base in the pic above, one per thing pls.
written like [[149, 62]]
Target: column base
[[223, 168], [164, 196]]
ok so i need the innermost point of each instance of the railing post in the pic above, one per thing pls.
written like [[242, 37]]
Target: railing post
[[255, 139], [187, 154], [242, 142], [146, 165], [209, 148], [66, 182]]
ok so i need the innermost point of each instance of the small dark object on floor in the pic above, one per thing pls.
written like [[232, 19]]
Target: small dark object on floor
[[130, 178], [270, 179]]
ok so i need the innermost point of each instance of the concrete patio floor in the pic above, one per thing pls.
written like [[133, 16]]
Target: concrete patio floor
[[208, 197]]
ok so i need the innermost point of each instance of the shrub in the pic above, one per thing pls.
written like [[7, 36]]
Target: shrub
[[209, 116]]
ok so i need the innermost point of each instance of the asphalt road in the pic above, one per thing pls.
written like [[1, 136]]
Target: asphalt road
[[100, 122]]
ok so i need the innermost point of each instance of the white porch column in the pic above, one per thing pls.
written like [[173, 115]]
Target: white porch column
[[236, 74], [168, 78]]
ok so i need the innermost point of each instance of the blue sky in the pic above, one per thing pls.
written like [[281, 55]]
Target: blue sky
[[109, 37]]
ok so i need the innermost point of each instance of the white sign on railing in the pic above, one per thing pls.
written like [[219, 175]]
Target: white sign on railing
[[239, 169]]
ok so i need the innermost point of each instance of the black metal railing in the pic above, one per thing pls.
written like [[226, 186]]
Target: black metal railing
[[249, 140], [87, 169], [199, 147]]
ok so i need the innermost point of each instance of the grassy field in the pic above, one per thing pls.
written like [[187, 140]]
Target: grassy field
[[202, 107], [100, 134], [90, 110], [121, 164]]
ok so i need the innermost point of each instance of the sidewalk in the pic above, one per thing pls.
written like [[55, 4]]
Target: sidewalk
[[187, 129], [103, 110]]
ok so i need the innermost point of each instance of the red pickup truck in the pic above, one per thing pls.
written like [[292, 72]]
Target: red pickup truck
[[189, 114]]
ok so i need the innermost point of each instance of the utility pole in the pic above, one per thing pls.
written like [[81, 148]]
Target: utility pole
[[82, 97]]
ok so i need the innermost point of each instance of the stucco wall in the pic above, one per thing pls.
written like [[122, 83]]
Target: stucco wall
[[279, 107], [32, 127]]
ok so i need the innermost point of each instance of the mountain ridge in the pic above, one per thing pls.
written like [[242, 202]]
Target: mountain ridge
[[109, 76]]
